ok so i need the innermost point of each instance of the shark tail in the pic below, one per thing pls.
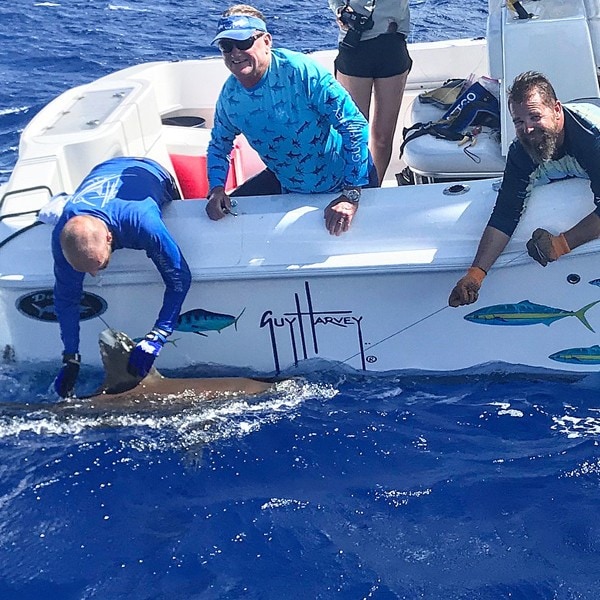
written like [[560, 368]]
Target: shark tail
[[580, 314], [238, 317]]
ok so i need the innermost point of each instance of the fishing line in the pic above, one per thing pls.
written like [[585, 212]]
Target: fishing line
[[102, 319], [422, 319], [385, 339]]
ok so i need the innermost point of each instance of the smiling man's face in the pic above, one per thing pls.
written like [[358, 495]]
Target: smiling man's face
[[539, 126], [248, 66]]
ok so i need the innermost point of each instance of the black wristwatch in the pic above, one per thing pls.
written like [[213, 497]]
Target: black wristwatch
[[71, 358], [352, 193]]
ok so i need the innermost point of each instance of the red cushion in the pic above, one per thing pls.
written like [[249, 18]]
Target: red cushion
[[191, 174]]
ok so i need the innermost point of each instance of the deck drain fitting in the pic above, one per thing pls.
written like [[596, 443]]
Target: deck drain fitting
[[456, 189]]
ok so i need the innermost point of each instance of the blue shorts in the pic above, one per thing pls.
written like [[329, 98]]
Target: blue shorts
[[378, 58]]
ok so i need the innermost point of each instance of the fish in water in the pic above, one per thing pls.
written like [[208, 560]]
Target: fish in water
[[578, 356], [123, 394], [199, 320], [120, 387], [526, 313]]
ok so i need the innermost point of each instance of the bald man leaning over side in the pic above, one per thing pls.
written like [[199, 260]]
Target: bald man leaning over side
[[86, 243], [118, 205]]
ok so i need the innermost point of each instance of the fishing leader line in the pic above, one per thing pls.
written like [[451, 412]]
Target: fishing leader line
[[102, 319], [403, 329], [431, 314]]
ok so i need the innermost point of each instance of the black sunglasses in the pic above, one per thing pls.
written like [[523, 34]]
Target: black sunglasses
[[226, 46]]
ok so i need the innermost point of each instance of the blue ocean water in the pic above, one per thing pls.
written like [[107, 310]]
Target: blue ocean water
[[473, 486]]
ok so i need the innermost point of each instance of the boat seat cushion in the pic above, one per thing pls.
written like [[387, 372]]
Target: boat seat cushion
[[438, 158], [187, 149]]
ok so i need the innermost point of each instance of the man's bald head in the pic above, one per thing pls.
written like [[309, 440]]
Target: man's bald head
[[86, 244]]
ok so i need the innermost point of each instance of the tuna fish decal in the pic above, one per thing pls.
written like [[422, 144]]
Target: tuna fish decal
[[199, 320], [526, 313], [578, 356]]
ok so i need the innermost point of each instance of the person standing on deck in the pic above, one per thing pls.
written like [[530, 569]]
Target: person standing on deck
[[118, 205], [373, 62], [554, 141], [300, 120]]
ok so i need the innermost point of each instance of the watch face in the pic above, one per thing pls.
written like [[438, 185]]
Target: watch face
[[352, 195]]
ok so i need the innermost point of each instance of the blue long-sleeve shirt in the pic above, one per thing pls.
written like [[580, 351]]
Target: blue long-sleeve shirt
[[127, 195], [300, 120]]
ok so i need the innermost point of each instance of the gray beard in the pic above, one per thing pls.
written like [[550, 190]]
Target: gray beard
[[542, 150]]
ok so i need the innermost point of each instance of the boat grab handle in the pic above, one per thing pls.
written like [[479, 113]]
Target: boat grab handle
[[23, 190]]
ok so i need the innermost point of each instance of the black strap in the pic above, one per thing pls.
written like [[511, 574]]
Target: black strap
[[365, 7], [438, 129]]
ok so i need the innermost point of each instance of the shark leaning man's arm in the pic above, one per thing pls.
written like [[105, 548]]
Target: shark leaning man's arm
[[67, 297], [173, 268], [164, 252]]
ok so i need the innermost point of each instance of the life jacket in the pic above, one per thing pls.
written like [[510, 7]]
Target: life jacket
[[476, 106]]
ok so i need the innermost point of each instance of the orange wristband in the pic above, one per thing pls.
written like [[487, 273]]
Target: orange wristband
[[477, 273], [560, 245]]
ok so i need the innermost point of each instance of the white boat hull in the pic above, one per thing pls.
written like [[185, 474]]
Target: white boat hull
[[272, 289]]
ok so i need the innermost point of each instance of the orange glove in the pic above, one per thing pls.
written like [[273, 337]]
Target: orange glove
[[466, 291], [545, 248]]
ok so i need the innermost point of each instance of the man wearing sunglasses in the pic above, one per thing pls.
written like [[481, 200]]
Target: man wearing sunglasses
[[300, 120], [118, 205]]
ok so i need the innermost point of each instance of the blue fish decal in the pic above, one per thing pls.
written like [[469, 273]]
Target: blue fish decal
[[526, 313], [199, 320], [578, 356]]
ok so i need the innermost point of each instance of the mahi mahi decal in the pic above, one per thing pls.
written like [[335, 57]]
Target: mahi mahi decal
[[578, 356], [199, 320], [526, 313]]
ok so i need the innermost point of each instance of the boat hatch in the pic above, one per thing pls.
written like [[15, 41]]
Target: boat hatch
[[90, 110]]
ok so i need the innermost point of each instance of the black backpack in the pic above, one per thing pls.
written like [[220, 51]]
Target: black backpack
[[476, 106]]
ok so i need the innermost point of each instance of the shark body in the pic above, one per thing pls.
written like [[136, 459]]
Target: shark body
[[120, 387]]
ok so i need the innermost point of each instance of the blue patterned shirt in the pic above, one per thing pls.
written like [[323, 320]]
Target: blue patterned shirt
[[300, 120]]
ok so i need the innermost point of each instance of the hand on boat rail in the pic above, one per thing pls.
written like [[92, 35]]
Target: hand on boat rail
[[228, 211], [338, 215], [219, 204], [545, 248]]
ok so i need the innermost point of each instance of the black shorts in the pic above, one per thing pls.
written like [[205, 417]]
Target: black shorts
[[266, 183], [383, 56]]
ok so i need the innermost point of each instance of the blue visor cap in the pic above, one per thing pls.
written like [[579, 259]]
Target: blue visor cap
[[239, 27]]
